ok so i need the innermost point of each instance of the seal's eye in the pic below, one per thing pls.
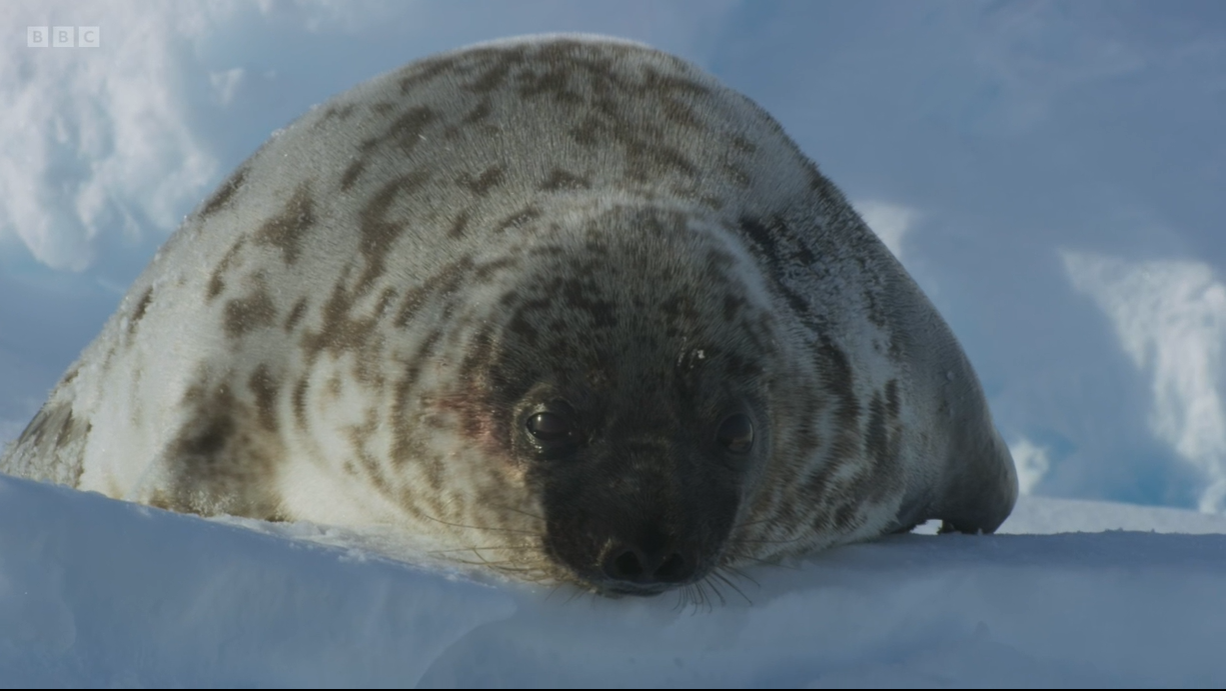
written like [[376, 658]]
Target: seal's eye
[[550, 428], [736, 433]]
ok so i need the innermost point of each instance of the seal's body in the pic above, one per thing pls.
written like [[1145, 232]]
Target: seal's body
[[566, 303]]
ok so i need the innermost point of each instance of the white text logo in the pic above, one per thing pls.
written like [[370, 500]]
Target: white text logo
[[63, 37]]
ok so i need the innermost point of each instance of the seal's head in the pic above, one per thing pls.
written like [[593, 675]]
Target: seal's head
[[625, 375]]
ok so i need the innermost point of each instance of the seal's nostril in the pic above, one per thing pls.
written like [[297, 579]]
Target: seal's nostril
[[630, 564], [626, 565]]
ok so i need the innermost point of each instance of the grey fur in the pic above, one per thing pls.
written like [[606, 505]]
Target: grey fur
[[332, 336]]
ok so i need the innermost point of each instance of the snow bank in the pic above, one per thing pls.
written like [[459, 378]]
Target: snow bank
[[95, 592]]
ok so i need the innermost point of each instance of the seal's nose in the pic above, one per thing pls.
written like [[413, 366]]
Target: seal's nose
[[650, 561]]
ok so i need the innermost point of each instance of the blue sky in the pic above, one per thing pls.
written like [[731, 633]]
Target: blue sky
[[1051, 173]]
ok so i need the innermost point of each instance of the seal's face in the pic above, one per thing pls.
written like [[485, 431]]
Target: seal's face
[[639, 494], [636, 411]]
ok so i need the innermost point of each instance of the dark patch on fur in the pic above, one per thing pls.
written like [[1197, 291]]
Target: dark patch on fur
[[584, 297], [217, 462], [819, 489], [560, 180], [838, 379], [554, 81], [405, 133], [883, 476], [139, 313], [646, 159], [65, 433], [405, 448], [49, 436], [340, 332], [264, 386], [224, 193], [481, 185], [493, 77], [445, 281], [573, 76], [373, 471], [299, 402], [881, 443], [385, 301], [296, 314], [425, 71], [733, 305], [518, 219], [484, 272], [246, 314], [770, 244], [680, 113], [893, 406], [521, 327], [216, 283], [378, 232], [210, 440], [33, 433], [739, 177], [284, 231], [351, 173], [480, 113], [458, 226], [874, 310], [337, 112]]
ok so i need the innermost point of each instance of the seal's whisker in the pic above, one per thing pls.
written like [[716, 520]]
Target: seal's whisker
[[500, 565], [698, 598], [522, 512], [723, 602], [728, 582], [510, 564], [506, 565], [554, 591], [683, 598], [578, 592], [469, 549], [740, 574], [477, 527]]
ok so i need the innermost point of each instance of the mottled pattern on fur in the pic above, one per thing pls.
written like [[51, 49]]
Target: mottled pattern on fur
[[322, 338]]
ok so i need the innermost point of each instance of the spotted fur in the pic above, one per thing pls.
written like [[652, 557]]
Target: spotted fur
[[353, 327]]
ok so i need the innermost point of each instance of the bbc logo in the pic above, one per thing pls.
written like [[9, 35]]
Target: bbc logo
[[63, 37]]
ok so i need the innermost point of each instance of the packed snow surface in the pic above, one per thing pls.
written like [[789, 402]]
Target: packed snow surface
[[96, 592]]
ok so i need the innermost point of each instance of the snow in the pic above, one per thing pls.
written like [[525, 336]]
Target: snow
[[96, 592]]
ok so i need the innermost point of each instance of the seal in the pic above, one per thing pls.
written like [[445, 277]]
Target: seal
[[565, 305]]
